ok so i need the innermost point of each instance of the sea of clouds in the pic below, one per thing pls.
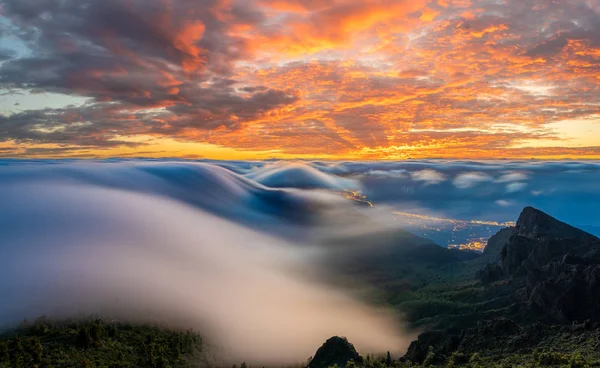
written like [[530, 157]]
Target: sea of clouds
[[233, 249]]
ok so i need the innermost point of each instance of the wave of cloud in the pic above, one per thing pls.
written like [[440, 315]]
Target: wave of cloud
[[75, 243], [299, 175]]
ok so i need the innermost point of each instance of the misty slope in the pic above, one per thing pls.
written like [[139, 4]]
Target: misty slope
[[181, 238], [468, 322], [180, 243], [387, 247], [540, 309]]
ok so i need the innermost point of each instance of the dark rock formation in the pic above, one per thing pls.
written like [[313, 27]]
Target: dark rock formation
[[565, 292], [542, 284], [561, 264], [496, 243], [537, 224], [444, 341], [336, 350], [500, 337], [536, 240]]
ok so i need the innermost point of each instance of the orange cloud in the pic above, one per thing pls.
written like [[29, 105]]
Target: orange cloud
[[348, 79], [186, 40]]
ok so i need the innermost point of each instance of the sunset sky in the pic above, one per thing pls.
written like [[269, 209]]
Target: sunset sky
[[257, 79]]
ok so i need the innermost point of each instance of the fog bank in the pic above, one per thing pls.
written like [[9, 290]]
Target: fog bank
[[76, 247]]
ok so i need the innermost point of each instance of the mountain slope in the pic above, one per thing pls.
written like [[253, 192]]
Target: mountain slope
[[542, 283]]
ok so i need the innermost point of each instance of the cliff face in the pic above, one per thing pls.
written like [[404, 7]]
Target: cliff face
[[542, 281], [534, 223], [513, 245], [565, 292], [561, 265], [496, 243]]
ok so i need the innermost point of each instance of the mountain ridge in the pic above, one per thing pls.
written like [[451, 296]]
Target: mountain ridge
[[536, 223], [550, 274]]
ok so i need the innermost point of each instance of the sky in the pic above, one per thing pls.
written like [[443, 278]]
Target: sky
[[258, 79]]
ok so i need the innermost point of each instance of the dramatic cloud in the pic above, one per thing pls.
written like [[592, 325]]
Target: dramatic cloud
[[142, 241], [358, 79]]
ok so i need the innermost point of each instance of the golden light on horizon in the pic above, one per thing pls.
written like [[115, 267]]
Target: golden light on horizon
[[368, 79]]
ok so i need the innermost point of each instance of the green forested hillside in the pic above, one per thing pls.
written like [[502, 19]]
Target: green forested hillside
[[97, 343]]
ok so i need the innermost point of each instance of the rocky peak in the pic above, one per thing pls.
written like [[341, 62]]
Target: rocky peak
[[560, 263], [534, 223], [336, 350], [536, 240], [539, 239]]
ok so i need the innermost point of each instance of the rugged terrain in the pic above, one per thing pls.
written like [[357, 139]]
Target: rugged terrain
[[530, 300]]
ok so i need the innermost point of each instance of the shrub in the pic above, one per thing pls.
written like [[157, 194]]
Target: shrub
[[430, 358]]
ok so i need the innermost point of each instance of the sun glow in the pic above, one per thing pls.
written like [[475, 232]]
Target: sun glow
[[368, 79]]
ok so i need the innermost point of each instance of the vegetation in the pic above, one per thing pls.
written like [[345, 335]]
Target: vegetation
[[98, 344], [575, 359]]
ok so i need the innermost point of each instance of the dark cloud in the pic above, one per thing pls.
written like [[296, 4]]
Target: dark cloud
[[93, 126], [173, 55], [6, 54], [254, 89]]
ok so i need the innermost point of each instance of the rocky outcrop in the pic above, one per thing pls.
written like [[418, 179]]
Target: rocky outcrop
[[335, 351], [496, 243], [444, 341], [522, 255], [564, 291], [561, 264], [534, 223], [535, 241]]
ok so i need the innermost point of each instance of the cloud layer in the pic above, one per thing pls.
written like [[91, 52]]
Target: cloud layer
[[368, 78], [204, 244], [143, 242]]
